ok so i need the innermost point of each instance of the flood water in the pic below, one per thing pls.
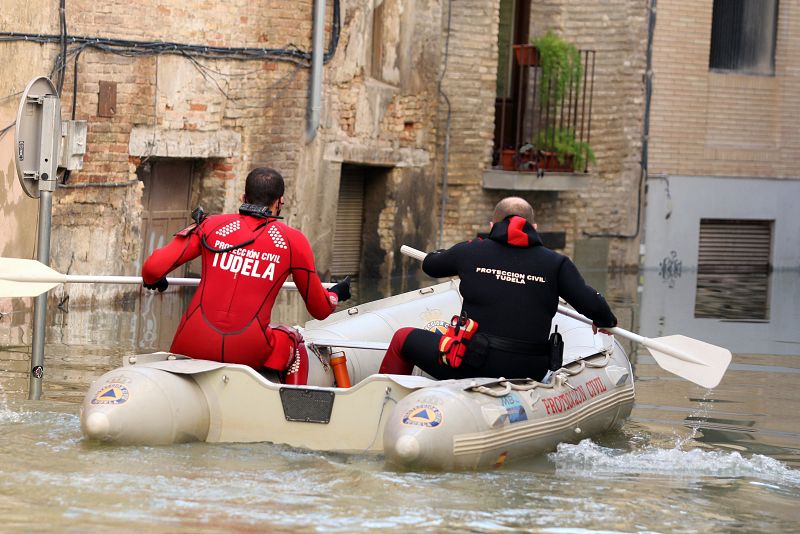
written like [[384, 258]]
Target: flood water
[[687, 460]]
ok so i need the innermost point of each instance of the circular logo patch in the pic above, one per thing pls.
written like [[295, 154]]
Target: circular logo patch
[[111, 394], [423, 415], [440, 327]]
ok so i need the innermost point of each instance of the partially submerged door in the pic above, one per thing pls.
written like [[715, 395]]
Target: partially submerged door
[[167, 205]]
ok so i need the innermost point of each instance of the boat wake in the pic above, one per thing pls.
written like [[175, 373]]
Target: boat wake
[[589, 457], [7, 415]]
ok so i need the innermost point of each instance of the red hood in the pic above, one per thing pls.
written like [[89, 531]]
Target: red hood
[[515, 231]]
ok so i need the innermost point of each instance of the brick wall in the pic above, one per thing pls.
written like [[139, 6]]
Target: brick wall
[[707, 123], [617, 30]]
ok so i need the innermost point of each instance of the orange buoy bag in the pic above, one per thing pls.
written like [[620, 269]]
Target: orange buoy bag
[[453, 343]]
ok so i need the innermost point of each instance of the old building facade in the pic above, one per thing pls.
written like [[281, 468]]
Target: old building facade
[[405, 150]]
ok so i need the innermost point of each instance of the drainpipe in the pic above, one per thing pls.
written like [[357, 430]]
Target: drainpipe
[[315, 80]]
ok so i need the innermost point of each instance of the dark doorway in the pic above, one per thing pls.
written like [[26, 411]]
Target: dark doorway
[[514, 29], [166, 203]]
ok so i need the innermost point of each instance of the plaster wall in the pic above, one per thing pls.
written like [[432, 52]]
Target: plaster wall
[[19, 63], [675, 205]]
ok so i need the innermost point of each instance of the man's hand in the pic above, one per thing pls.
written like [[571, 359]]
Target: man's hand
[[596, 329], [161, 285], [342, 289]]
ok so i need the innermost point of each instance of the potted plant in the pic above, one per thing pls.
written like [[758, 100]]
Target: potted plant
[[527, 55], [560, 64], [560, 75], [560, 150]]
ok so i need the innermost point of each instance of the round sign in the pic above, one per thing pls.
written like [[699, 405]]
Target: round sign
[[37, 137]]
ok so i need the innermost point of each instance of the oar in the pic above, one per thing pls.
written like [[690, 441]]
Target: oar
[[29, 278], [348, 343], [692, 359]]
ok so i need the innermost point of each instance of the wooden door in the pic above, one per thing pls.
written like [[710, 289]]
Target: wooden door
[[167, 205]]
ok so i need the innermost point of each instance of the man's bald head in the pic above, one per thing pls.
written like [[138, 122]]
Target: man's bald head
[[513, 206]]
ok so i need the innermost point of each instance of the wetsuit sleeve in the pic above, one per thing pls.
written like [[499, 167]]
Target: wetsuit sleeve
[[175, 253], [318, 299], [584, 298], [443, 263]]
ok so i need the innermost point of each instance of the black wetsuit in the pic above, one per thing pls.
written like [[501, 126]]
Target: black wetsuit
[[510, 284]]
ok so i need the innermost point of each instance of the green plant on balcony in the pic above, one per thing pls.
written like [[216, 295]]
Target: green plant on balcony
[[560, 64], [563, 145]]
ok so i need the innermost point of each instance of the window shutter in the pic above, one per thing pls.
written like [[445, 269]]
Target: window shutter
[[349, 224], [734, 246]]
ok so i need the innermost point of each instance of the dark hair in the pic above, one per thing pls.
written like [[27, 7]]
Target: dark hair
[[263, 186], [513, 206]]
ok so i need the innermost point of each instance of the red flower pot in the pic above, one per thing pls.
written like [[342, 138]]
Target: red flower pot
[[527, 55]]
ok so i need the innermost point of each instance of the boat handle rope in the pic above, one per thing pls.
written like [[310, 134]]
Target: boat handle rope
[[597, 365], [492, 393], [508, 387], [559, 376], [386, 398]]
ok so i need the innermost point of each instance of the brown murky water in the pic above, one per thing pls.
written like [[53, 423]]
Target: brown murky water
[[687, 460]]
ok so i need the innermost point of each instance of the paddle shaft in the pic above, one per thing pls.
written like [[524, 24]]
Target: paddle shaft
[[647, 342], [109, 279]]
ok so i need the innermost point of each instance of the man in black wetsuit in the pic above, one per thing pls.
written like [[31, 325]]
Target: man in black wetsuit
[[510, 284]]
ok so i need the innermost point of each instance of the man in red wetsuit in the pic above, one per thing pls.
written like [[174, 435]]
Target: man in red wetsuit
[[246, 258]]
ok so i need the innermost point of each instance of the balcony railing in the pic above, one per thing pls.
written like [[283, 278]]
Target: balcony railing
[[540, 128]]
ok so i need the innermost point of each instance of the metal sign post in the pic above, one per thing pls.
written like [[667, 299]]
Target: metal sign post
[[38, 143]]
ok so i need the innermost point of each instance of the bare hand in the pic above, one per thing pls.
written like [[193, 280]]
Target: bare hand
[[596, 329]]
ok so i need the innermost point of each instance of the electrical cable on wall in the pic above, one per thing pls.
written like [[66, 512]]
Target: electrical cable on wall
[[446, 155], [71, 47]]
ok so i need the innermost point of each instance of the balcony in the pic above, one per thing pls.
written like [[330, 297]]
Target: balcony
[[542, 128]]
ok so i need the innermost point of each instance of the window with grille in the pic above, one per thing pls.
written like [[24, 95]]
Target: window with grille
[[743, 36]]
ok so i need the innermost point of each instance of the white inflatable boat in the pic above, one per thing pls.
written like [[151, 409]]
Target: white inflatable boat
[[415, 422]]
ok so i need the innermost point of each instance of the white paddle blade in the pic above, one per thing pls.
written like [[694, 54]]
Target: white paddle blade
[[9, 288], [715, 360], [15, 271]]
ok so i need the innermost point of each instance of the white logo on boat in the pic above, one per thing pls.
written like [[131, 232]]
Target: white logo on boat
[[423, 415], [111, 394], [438, 326]]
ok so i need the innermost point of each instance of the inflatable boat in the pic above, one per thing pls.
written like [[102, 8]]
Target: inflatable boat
[[414, 421]]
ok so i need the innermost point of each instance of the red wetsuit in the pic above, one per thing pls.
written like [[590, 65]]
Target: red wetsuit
[[246, 260]]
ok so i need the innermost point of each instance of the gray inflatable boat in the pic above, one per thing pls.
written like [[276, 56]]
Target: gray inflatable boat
[[415, 422]]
